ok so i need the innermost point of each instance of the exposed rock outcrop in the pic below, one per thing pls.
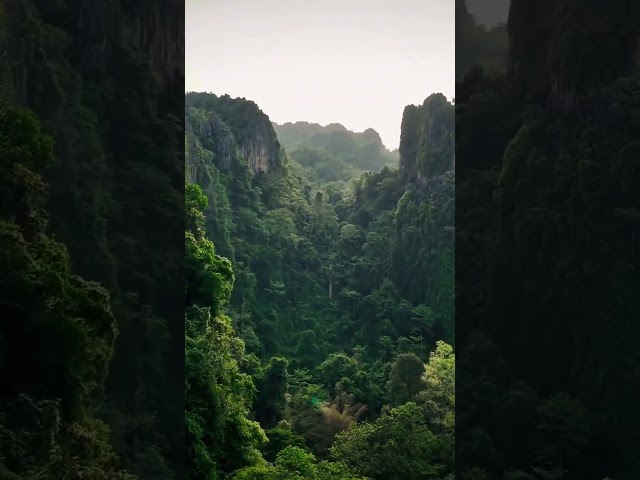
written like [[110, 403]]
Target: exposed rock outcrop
[[259, 146], [94, 33], [427, 138], [237, 127], [560, 49]]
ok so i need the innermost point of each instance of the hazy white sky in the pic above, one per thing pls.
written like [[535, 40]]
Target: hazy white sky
[[354, 62]]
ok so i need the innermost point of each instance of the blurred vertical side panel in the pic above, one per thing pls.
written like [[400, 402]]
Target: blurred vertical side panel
[[91, 234], [548, 239]]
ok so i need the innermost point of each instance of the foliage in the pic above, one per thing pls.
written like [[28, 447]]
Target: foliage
[[546, 160], [325, 295], [219, 437], [48, 426], [333, 153], [93, 76], [405, 378], [398, 445], [293, 463]]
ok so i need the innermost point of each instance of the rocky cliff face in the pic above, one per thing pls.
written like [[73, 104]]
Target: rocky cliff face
[[427, 138], [235, 127], [222, 143], [90, 34], [158, 27], [80, 67], [259, 146], [564, 48]]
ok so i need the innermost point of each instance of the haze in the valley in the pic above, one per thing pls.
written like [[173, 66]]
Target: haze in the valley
[[358, 63]]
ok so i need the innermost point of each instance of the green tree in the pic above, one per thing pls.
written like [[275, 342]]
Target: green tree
[[219, 436], [58, 330], [405, 379], [439, 381], [397, 446], [272, 387], [293, 463]]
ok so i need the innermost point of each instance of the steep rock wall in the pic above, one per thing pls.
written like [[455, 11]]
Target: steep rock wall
[[90, 33], [427, 138], [561, 49], [236, 127]]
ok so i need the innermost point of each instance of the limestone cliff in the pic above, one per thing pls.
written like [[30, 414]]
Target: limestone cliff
[[560, 49], [88, 36], [158, 27], [427, 138], [259, 146], [235, 127]]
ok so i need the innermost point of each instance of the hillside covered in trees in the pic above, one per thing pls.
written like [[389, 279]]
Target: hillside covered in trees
[[333, 153], [91, 230], [547, 248], [319, 315]]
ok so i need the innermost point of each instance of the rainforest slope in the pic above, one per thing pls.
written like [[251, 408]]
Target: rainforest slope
[[102, 82], [547, 247]]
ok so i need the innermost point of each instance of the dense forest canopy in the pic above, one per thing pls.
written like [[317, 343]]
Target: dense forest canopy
[[49, 428], [338, 297]]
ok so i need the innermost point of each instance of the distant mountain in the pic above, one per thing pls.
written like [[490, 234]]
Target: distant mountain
[[333, 152]]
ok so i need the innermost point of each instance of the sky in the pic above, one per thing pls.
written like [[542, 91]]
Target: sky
[[354, 62]]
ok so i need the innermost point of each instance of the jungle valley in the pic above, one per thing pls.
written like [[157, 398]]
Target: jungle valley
[[319, 296]]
